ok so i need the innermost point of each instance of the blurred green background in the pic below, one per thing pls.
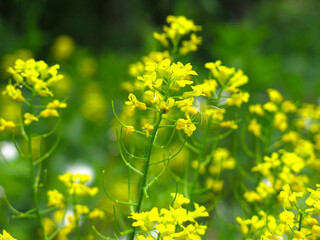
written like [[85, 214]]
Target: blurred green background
[[276, 43]]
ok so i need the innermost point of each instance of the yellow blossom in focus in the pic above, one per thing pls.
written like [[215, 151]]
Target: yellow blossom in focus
[[29, 118], [145, 220], [134, 103], [179, 200], [187, 126]]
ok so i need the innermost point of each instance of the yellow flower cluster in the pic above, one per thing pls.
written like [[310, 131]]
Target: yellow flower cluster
[[6, 236], [180, 26], [34, 75], [296, 223], [60, 219], [75, 184], [173, 223]]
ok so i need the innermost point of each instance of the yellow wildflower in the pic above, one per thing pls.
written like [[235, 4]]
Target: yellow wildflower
[[274, 95], [29, 118], [145, 220], [179, 200], [270, 107], [280, 121], [129, 129], [238, 98], [81, 209], [14, 93], [6, 236], [96, 214], [134, 103], [6, 124], [257, 109], [255, 127], [187, 126], [287, 217], [147, 127], [49, 225], [56, 104], [49, 113], [55, 199], [229, 124]]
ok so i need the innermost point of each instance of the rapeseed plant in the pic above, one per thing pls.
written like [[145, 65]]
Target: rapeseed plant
[[174, 125]]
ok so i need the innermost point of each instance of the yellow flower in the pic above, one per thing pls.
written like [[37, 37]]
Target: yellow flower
[[187, 126], [147, 127], [280, 121], [255, 127], [229, 124], [14, 93], [49, 225], [81, 209], [244, 225], [257, 109], [287, 217], [288, 106], [252, 196], [299, 235], [179, 200], [134, 103], [6, 124], [162, 38], [151, 80], [238, 98], [29, 118], [145, 220], [96, 214], [75, 184], [270, 107], [49, 113], [55, 199], [200, 211], [274, 95], [56, 104], [6, 236], [166, 106], [191, 45], [129, 129]]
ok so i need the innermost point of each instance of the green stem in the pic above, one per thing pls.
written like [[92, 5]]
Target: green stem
[[300, 221], [201, 159], [33, 177], [76, 216], [146, 169]]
